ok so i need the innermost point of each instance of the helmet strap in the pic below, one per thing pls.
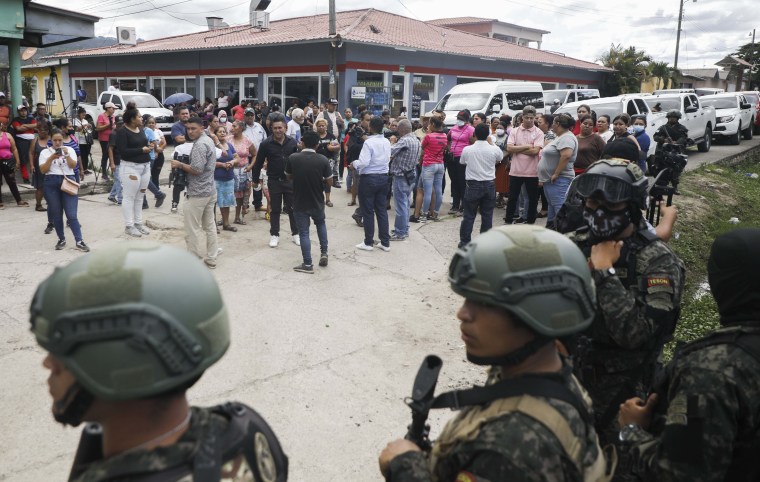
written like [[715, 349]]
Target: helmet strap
[[514, 358], [71, 408]]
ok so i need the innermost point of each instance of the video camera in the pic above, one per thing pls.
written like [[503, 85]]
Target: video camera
[[669, 162], [178, 177]]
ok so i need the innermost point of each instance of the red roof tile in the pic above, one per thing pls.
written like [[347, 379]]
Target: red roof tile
[[461, 20], [353, 26]]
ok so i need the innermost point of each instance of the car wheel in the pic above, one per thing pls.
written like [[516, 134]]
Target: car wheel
[[735, 139], [748, 133], [706, 143]]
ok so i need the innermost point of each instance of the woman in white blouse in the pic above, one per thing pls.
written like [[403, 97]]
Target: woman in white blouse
[[58, 162]]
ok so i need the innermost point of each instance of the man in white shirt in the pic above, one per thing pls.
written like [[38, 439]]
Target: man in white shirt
[[256, 134], [372, 167], [294, 126], [480, 189]]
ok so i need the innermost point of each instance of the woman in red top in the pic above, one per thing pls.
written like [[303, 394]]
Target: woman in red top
[[103, 127], [238, 112], [433, 146], [583, 110]]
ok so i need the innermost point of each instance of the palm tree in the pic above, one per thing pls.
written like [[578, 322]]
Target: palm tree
[[631, 67], [661, 72]]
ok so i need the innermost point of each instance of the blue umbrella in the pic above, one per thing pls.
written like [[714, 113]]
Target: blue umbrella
[[178, 98]]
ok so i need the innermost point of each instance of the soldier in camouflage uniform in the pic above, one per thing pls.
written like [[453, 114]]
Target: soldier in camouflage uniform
[[128, 329], [524, 286], [639, 282], [710, 395]]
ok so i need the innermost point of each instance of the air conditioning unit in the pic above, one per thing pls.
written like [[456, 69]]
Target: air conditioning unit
[[260, 20], [126, 35]]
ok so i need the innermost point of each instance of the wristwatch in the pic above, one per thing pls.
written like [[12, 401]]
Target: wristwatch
[[601, 275], [627, 432]]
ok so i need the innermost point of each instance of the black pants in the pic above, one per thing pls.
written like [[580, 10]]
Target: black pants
[[155, 170], [10, 179], [104, 159], [85, 149], [456, 174], [515, 186], [281, 195], [257, 197], [176, 192], [544, 201]]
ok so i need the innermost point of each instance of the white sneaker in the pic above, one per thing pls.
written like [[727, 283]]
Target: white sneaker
[[364, 247], [297, 240], [142, 229], [133, 231], [384, 248], [219, 251], [274, 241]]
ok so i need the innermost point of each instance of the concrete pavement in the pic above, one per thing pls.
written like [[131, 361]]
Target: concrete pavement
[[326, 358]]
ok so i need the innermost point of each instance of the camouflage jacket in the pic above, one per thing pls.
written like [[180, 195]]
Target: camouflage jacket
[[639, 307], [171, 463], [513, 447], [712, 418]]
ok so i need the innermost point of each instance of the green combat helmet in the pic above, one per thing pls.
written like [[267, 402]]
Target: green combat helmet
[[132, 320], [537, 275]]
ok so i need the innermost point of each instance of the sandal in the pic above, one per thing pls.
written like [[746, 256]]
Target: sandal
[[329, 204], [22, 203], [40, 208], [352, 203], [230, 228], [239, 221]]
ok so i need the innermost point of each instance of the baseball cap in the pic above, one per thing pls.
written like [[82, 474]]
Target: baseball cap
[[109, 104], [21, 107], [249, 111], [2, 94], [334, 101], [119, 119]]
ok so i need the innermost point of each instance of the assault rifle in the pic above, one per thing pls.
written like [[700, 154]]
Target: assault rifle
[[421, 401]]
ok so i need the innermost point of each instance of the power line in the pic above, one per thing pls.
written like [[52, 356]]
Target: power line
[[146, 10]]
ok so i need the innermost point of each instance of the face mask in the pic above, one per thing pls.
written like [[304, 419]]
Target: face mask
[[222, 120], [460, 123], [638, 129], [499, 132], [605, 224]]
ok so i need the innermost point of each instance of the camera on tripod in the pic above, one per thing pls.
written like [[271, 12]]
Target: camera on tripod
[[669, 163], [178, 177]]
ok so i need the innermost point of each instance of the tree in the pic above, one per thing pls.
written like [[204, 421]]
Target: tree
[[631, 68], [660, 71], [751, 53]]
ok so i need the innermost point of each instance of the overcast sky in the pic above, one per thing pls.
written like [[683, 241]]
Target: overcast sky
[[711, 29]]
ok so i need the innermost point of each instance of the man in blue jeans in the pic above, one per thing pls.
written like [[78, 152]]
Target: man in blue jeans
[[310, 172], [480, 159], [372, 167], [405, 155]]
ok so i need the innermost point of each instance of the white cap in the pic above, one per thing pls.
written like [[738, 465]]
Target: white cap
[[109, 104], [2, 94]]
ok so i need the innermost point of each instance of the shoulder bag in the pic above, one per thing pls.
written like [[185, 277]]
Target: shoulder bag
[[70, 187]]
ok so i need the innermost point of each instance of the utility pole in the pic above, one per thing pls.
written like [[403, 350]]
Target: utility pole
[[754, 59], [678, 35], [334, 43]]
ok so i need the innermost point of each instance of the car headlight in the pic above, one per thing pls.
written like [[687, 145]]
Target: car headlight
[[726, 119]]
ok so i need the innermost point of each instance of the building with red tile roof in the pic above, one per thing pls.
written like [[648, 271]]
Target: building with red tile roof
[[398, 60]]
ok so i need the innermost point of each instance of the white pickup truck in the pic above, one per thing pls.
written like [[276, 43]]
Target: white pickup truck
[[736, 116], [145, 103], [698, 119]]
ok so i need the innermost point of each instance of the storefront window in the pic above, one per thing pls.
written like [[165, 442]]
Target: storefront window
[[301, 89], [423, 89], [173, 86], [92, 87], [370, 79], [250, 88], [190, 87], [209, 89], [230, 86], [397, 92], [274, 89]]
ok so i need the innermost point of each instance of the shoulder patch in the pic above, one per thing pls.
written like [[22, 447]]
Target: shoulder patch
[[654, 281], [467, 477]]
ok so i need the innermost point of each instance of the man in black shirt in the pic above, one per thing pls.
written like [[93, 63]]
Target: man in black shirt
[[275, 150], [310, 173]]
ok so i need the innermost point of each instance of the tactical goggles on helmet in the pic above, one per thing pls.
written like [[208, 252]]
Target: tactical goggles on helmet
[[612, 189]]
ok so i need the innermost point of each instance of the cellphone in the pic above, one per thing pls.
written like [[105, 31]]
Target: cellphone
[[59, 151]]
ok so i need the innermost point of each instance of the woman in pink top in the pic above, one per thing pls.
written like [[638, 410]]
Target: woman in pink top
[[9, 162], [460, 136], [433, 146], [103, 127]]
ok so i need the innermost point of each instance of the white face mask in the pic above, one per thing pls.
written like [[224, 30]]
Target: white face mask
[[460, 123], [499, 132], [222, 120]]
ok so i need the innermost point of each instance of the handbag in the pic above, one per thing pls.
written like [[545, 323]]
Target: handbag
[[8, 166], [70, 187]]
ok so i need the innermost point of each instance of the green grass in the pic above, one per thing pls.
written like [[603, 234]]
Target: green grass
[[709, 199]]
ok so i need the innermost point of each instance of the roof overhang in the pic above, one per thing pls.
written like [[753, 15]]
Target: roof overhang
[[47, 26]]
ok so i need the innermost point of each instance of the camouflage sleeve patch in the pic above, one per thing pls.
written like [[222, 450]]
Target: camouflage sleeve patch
[[469, 477]]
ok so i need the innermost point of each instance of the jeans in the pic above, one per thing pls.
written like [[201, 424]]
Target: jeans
[[116, 190], [477, 194], [373, 191], [555, 194], [281, 192], [515, 185], [200, 224], [155, 168], [104, 159], [432, 178], [59, 202], [401, 193], [302, 220], [135, 178]]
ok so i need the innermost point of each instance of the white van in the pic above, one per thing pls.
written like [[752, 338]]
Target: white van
[[491, 98], [567, 95]]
